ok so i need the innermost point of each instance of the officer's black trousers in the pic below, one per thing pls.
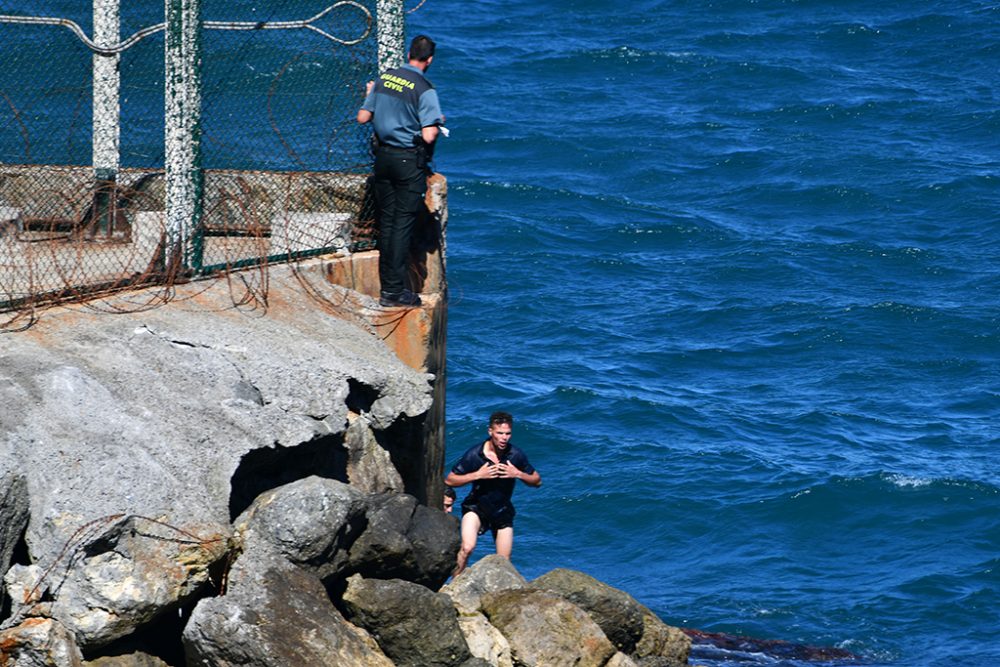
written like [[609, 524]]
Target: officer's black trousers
[[399, 184]]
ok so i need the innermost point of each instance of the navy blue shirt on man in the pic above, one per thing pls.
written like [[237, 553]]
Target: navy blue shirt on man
[[491, 496]]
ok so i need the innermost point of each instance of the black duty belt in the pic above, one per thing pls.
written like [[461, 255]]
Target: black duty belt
[[398, 149]]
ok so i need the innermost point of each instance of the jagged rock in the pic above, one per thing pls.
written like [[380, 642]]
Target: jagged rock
[[404, 540], [333, 529], [23, 587], [369, 466], [383, 545], [134, 659], [621, 660], [485, 641], [274, 614], [617, 612], [312, 522], [630, 626], [414, 626], [121, 576], [13, 515], [39, 642], [661, 645], [545, 630], [491, 573], [436, 539]]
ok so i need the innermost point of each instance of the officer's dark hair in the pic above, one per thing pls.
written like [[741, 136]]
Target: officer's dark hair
[[450, 492], [421, 48], [501, 417]]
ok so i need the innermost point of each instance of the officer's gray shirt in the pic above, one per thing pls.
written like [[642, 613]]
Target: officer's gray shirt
[[402, 102]]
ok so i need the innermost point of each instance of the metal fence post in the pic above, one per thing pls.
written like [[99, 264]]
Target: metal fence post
[[106, 91], [391, 38], [184, 176], [105, 221]]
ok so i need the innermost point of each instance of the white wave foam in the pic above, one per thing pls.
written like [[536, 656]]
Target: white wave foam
[[906, 481]]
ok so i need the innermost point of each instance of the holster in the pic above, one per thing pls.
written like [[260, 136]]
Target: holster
[[422, 160]]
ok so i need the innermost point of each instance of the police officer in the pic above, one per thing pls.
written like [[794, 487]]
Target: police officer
[[404, 109]]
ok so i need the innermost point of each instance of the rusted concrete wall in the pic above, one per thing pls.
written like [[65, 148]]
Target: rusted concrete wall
[[418, 335]]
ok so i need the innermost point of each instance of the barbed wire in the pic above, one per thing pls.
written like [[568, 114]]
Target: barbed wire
[[141, 34], [76, 545], [66, 237]]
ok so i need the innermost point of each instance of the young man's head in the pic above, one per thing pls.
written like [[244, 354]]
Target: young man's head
[[501, 427], [422, 49]]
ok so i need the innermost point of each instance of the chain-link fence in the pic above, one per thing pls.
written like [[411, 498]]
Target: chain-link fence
[[150, 139]]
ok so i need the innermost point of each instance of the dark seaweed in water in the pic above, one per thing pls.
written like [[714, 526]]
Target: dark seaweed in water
[[745, 649]]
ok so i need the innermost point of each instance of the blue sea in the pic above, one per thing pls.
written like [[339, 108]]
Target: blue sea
[[734, 266]]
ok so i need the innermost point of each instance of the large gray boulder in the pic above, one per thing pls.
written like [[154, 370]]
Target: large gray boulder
[[312, 522], [39, 642], [490, 574], [661, 645], [485, 641], [334, 530], [617, 612], [630, 626], [274, 614], [406, 540], [121, 576], [414, 626], [545, 630]]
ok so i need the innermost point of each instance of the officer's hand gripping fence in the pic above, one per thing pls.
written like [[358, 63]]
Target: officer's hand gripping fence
[[195, 145]]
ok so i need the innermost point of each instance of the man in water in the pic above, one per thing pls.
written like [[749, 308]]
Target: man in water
[[406, 114], [492, 467]]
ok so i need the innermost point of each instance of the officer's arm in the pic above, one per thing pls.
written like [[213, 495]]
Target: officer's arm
[[364, 115], [429, 133]]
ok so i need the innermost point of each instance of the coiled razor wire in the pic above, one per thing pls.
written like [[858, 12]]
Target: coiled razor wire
[[75, 238], [139, 35]]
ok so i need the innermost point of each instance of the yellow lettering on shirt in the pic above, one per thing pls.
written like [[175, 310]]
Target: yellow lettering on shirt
[[397, 83]]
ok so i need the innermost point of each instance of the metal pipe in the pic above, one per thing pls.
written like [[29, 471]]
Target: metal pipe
[[391, 37], [184, 176], [106, 90], [106, 126]]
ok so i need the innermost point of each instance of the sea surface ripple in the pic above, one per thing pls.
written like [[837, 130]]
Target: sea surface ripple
[[734, 265]]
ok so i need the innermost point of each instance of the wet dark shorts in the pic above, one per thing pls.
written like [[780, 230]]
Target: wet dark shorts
[[502, 519]]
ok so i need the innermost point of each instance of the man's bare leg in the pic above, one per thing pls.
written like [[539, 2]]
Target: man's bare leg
[[505, 541], [470, 533]]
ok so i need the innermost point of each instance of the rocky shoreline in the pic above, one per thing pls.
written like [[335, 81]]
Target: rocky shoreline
[[316, 573], [203, 483]]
